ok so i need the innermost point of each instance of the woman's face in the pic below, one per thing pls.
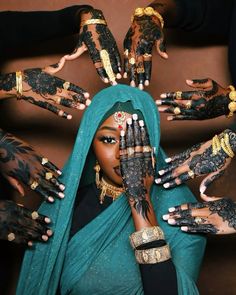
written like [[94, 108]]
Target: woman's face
[[106, 149]]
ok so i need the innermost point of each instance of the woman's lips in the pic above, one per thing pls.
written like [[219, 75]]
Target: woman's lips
[[117, 170]]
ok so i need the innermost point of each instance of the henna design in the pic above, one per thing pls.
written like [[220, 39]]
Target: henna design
[[7, 82], [18, 222]]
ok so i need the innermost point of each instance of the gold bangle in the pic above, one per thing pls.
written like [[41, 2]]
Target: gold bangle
[[216, 146], [146, 235], [149, 11], [93, 21], [232, 104], [19, 84], [226, 146], [153, 255]]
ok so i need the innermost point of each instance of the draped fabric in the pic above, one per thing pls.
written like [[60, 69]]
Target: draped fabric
[[98, 259]]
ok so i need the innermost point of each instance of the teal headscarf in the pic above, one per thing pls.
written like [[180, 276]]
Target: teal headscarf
[[43, 266]]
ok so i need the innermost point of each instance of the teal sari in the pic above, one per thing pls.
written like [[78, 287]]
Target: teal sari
[[98, 259]]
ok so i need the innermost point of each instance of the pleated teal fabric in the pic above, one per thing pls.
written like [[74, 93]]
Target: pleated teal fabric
[[98, 259]]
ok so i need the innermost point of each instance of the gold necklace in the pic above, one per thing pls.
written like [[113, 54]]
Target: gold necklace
[[109, 190]]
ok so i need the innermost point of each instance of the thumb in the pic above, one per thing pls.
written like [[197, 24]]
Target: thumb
[[161, 48], [208, 180], [17, 185]]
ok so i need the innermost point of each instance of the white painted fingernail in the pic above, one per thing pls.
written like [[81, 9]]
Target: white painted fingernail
[[171, 221], [161, 172], [122, 133], [140, 86], [88, 102], [168, 160], [125, 75], [135, 117], [184, 228], [165, 217], [158, 180], [86, 95], [69, 117], [129, 121], [47, 220], [158, 102], [61, 195], [141, 123], [51, 199], [202, 189], [132, 84], [189, 81], [169, 118], [146, 83], [166, 185], [163, 95], [171, 209], [118, 76]]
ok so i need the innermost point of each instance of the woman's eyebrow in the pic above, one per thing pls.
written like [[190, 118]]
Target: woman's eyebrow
[[107, 128]]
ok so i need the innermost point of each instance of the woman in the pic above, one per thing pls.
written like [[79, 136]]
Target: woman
[[98, 259]]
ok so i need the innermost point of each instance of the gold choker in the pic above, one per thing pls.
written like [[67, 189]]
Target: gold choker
[[109, 190]]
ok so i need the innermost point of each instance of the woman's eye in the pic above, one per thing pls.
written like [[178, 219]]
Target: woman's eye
[[111, 140]]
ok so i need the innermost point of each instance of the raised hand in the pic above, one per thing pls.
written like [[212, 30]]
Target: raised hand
[[208, 100], [40, 87], [136, 164], [215, 216], [22, 226], [210, 158], [144, 33], [95, 36], [20, 164]]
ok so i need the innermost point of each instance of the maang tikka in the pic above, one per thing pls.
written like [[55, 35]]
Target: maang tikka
[[119, 118]]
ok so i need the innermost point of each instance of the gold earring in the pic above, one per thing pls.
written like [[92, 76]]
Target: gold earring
[[97, 169]]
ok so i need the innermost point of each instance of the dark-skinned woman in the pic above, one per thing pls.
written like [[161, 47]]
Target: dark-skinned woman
[[109, 236]]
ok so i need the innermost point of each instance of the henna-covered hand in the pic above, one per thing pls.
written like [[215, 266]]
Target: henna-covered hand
[[214, 216], [144, 33], [101, 45], [40, 87], [197, 161], [208, 101], [20, 164], [22, 226], [136, 164]]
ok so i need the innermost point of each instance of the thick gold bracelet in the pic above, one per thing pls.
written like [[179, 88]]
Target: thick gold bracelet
[[146, 235], [93, 21], [232, 104], [149, 11], [153, 255], [222, 142], [19, 84]]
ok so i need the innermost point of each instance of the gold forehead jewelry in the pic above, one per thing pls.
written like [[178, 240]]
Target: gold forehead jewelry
[[66, 85], [191, 173], [34, 215], [177, 111], [34, 185], [178, 94], [11, 237], [44, 161], [104, 55], [119, 118], [93, 21], [19, 84], [109, 190]]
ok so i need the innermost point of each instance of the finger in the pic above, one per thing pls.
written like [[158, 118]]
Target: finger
[[179, 95], [129, 138], [102, 73], [200, 83], [137, 136], [122, 146], [16, 184], [173, 173], [175, 168], [49, 107], [161, 48], [177, 181], [140, 72], [182, 221], [126, 67], [200, 228], [147, 150], [48, 164], [182, 117], [117, 57], [107, 65], [147, 70], [82, 94], [209, 179], [132, 74]]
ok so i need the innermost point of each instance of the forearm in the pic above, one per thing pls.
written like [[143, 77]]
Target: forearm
[[7, 85], [35, 26]]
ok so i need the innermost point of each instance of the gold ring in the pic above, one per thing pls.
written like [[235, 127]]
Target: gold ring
[[34, 185], [66, 85], [48, 175], [93, 21], [132, 60], [34, 215], [198, 220], [191, 174], [104, 55], [177, 111], [147, 149], [11, 237], [140, 70], [188, 104], [178, 94], [126, 52], [44, 161], [147, 55]]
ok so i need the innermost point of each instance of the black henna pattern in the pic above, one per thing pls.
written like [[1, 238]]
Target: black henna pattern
[[7, 81]]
